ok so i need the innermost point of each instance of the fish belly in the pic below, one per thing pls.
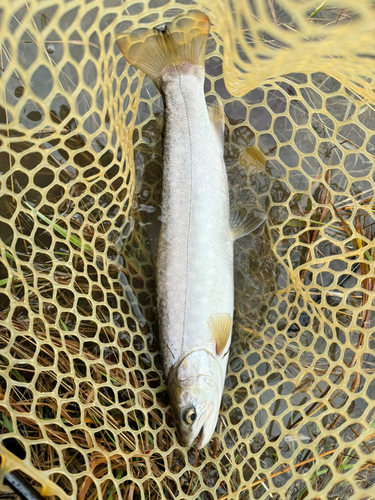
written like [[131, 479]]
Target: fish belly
[[195, 254]]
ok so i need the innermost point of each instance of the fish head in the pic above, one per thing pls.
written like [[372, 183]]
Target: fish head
[[195, 389]]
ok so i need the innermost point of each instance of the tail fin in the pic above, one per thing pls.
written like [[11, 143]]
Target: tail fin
[[181, 41]]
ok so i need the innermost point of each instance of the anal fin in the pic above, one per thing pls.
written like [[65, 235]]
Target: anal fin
[[221, 328], [216, 114]]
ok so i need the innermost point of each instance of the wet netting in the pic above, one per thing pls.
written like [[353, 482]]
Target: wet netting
[[84, 411]]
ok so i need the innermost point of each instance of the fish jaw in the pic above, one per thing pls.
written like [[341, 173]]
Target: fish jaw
[[207, 429]]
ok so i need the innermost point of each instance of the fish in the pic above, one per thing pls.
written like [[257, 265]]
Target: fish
[[194, 263]]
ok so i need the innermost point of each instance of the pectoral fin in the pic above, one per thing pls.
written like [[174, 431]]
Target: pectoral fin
[[221, 328], [243, 224]]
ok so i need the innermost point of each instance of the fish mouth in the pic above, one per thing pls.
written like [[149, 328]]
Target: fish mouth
[[202, 437]]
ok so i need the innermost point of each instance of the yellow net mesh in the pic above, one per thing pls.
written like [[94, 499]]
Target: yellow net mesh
[[84, 412]]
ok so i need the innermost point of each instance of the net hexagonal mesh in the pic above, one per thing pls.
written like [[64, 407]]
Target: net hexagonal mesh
[[84, 411]]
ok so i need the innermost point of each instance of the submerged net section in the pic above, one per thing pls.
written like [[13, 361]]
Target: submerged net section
[[83, 407]]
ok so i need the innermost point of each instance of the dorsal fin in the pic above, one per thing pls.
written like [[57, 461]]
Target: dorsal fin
[[221, 328]]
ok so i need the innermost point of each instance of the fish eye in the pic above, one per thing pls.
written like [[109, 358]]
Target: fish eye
[[189, 415]]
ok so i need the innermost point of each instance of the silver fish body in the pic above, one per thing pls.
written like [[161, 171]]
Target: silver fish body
[[195, 255]]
